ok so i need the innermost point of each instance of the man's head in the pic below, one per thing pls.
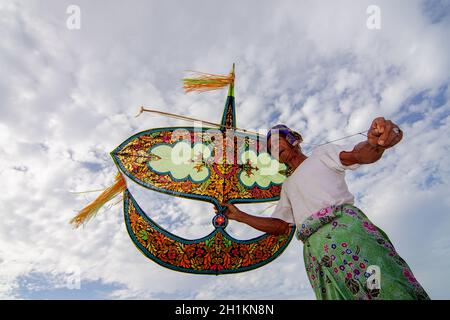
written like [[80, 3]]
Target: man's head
[[288, 145]]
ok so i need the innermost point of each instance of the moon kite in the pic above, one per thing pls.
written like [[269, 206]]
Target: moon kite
[[220, 164]]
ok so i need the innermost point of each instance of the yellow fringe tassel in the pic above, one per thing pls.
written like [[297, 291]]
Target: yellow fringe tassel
[[205, 81], [91, 209]]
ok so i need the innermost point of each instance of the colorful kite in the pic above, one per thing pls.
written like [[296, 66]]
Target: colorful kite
[[218, 164]]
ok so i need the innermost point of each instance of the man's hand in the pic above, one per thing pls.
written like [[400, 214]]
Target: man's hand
[[265, 224], [232, 212], [384, 133]]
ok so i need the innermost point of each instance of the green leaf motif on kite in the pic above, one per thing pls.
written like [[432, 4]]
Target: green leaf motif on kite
[[143, 235], [260, 169], [182, 161], [227, 242]]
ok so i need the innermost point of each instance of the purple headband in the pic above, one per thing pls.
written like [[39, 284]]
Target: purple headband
[[291, 136]]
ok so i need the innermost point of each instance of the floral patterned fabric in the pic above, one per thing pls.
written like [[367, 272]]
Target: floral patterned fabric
[[340, 243]]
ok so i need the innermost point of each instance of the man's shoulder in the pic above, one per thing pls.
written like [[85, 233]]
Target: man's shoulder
[[335, 156]]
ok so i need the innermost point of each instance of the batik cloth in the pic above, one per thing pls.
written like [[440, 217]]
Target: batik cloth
[[341, 245]]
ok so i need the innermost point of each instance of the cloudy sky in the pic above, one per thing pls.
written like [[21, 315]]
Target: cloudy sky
[[69, 96]]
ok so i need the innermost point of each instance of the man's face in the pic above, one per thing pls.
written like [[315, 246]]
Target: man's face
[[283, 151]]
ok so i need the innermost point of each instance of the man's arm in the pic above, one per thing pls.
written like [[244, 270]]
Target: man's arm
[[265, 224], [383, 134], [362, 153]]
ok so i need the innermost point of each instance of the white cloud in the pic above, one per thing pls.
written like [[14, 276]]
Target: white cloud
[[67, 98]]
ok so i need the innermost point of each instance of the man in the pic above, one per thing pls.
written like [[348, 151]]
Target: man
[[341, 245]]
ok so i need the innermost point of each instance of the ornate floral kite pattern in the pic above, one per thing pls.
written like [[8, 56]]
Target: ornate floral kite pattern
[[207, 164]]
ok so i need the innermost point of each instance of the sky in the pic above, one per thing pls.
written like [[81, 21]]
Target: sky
[[68, 97]]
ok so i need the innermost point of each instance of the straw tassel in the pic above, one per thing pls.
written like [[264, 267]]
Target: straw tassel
[[91, 209], [201, 81]]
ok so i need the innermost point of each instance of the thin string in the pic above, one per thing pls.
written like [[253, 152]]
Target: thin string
[[180, 117], [355, 134]]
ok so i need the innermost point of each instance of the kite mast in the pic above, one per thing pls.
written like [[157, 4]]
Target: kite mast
[[229, 112]]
